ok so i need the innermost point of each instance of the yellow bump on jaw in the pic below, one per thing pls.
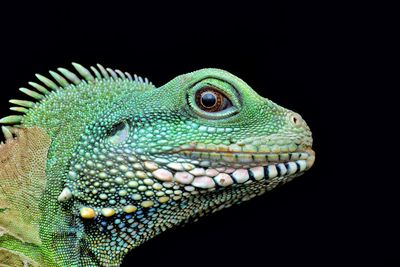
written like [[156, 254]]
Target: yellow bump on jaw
[[107, 212], [141, 174], [87, 213], [147, 204], [163, 199], [157, 186], [129, 209], [129, 174], [176, 197]]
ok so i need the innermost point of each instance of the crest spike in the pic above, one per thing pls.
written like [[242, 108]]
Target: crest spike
[[38, 87], [103, 71], [113, 74], [19, 109], [128, 75], [70, 75], [121, 74], [60, 79], [13, 119], [49, 83], [31, 93], [7, 133], [83, 71], [22, 103], [96, 72]]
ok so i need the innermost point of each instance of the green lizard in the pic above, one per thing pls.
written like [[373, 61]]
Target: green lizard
[[100, 162]]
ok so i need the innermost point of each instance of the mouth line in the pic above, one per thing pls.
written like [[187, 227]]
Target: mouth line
[[307, 150], [247, 157]]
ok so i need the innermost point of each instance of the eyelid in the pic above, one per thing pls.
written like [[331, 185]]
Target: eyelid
[[236, 100]]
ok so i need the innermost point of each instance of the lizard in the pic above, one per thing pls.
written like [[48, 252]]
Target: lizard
[[98, 161]]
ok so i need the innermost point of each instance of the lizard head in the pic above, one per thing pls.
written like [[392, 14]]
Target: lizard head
[[202, 142], [116, 161]]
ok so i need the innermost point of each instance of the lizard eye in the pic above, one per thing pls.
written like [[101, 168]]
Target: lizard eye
[[213, 99], [210, 100], [118, 133]]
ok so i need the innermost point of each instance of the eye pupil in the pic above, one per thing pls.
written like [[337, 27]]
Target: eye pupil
[[211, 100], [208, 100]]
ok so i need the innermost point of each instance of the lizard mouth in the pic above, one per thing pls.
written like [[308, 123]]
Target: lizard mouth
[[248, 158], [216, 168]]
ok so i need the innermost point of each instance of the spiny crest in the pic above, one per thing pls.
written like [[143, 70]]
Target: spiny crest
[[64, 79]]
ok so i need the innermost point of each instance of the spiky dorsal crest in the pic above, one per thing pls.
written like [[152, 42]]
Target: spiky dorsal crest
[[64, 78]]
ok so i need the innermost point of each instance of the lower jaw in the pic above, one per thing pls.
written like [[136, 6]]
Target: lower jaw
[[216, 199]]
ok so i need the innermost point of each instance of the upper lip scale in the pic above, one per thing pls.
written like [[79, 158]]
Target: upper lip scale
[[311, 159], [307, 150]]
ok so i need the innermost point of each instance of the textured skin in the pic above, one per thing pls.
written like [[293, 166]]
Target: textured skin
[[128, 161]]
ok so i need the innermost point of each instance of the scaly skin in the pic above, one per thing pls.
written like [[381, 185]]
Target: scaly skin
[[128, 161]]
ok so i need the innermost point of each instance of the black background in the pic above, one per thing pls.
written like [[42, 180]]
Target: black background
[[311, 58]]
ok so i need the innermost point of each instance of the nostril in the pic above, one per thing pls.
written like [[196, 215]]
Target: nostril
[[296, 119]]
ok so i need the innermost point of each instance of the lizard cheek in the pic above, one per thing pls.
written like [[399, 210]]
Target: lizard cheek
[[119, 133]]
